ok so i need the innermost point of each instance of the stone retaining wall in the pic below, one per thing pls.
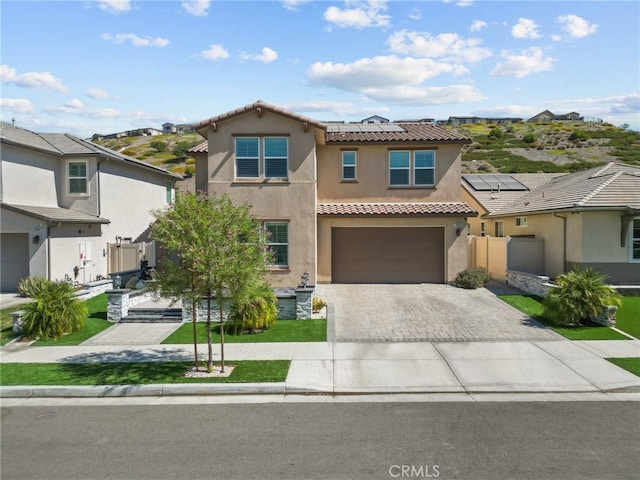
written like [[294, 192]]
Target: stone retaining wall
[[121, 300]]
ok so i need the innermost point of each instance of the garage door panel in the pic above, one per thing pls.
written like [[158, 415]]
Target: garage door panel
[[14, 260], [388, 255]]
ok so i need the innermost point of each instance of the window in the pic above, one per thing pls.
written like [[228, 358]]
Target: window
[[348, 165], [272, 164], [278, 242], [412, 168], [635, 239], [77, 177], [521, 221], [169, 192], [482, 229], [499, 227], [247, 157]]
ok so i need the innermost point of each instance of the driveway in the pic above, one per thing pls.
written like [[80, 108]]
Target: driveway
[[424, 312]]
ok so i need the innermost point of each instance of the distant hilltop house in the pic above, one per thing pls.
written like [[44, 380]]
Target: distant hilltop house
[[169, 128], [488, 120], [548, 116], [138, 132]]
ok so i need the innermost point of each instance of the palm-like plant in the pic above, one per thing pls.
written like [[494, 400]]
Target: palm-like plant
[[256, 310], [581, 294], [55, 312]]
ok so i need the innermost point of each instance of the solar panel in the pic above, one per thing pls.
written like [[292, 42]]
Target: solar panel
[[485, 183], [363, 127]]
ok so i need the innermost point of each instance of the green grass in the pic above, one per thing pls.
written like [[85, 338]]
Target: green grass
[[280, 331], [532, 306], [135, 373], [95, 323], [628, 316], [6, 323], [630, 364]]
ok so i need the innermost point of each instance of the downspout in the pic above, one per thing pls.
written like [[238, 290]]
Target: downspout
[[564, 240], [49, 228]]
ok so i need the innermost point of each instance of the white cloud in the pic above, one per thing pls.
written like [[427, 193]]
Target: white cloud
[[197, 8], [115, 6], [518, 111], [525, 28], [35, 80], [420, 95], [215, 52], [556, 38], [359, 14], [478, 25], [268, 55], [97, 93], [293, 4], [576, 26], [74, 103], [136, 41], [460, 3], [377, 72], [448, 46], [415, 14], [17, 105], [337, 109], [618, 104], [525, 63]]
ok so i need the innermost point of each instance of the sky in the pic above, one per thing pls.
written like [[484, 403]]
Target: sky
[[85, 67]]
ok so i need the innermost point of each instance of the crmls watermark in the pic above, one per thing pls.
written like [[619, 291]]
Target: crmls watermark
[[414, 471]]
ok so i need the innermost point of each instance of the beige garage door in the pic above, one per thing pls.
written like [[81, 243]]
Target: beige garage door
[[387, 255], [14, 260]]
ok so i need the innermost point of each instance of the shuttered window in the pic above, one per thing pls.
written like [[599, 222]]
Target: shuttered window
[[278, 242], [276, 157], [247, 157]]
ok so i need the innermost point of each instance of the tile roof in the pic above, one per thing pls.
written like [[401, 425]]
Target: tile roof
[[445, 208], [256, 106], [614, 186], [54, 214], [408, 132], [200, 148], [61, 144]]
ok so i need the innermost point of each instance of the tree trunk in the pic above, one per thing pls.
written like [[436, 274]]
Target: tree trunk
[[220, 308], [194, 321], [209, 347]]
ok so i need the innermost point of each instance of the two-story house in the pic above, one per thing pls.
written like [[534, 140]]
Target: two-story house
[[63, 199], [345, 202]]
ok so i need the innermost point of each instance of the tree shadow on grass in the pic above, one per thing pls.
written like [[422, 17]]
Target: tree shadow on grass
[[146, 355]]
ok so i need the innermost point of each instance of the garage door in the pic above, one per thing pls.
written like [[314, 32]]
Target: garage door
[[387, 255], [14, 260]]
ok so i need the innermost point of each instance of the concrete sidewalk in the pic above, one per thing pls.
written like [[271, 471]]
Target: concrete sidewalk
[[344, 368]]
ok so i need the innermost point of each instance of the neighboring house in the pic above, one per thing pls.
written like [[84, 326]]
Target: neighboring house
[[347, 203], [465, 120], [168, 128], [63, 199], [547, 116], [375, 119], [589, 218]]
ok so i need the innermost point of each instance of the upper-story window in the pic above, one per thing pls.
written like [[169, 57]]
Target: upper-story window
[[521, 221], [77, 176], [415, 168], [349, 165], [635, 240], [266, 157]]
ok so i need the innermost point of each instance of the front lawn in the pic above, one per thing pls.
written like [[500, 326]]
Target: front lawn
[[95, 323], [6, 323], [281, 331], [532, 306], [69, 374], [630, 364], [628, 316]]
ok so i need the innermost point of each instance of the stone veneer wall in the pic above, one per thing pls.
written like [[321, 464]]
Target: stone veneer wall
[[121, 300]]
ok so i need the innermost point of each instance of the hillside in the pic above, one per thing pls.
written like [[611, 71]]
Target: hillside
[[521, 147]]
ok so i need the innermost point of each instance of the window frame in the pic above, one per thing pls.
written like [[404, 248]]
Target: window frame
[[633, 239], [521, 222], [499, 228], [412, 169], [261, 159], [70, 177], [270, 243], [354, 166]]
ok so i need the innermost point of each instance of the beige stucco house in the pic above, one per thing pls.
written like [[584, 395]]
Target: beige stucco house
[[346, 202], [63, 199], [589, 218]]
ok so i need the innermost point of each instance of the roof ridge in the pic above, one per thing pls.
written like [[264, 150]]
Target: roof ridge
[[603, 169], [597, 190]]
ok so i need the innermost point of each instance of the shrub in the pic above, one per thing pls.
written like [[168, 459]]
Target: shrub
[[255, 312], [529, 138], [578, 135], [158, 145], [472, 278], [318, 304], [581, 294], [31, 286], [55, 312], [496, 133]]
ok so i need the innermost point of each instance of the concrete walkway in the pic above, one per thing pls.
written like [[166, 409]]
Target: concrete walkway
[[343, 368]]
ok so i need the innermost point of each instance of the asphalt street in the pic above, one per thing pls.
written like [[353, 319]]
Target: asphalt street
[[454, 440]]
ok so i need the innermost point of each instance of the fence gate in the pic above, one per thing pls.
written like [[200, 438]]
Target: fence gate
[[127, 256]]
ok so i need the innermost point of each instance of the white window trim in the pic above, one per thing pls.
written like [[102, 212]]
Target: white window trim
[[262, 158], [630, 242], [68, 178], [355, 166], [522, 222], [412, 170], [268, 243]]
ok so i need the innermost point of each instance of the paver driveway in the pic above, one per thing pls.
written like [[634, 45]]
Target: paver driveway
[[425, 312]]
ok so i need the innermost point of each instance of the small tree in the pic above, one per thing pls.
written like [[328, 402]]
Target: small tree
[[580, 295], [216, 248], [55, 312], [158, 145]]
